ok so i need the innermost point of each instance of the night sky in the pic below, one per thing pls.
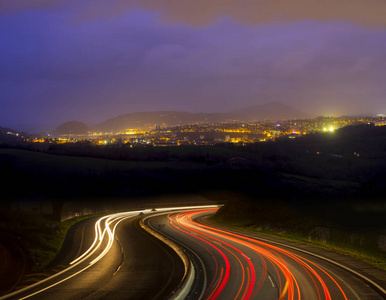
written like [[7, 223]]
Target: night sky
[[91, 60]]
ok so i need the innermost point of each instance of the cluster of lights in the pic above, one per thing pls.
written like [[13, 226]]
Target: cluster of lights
[[330, 129]]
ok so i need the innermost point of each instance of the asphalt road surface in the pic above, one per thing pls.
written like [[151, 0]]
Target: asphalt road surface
[[128, 264], [233, 266], [114, 258]]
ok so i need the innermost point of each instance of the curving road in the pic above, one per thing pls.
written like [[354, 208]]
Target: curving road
[[114, 258], [234, 266], [111, 258]]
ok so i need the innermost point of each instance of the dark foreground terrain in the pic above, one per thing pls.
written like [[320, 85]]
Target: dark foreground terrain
[[329, 187]]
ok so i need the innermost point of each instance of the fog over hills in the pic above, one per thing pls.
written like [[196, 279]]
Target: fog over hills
[[146, 120], [72, 127], [273, 111], [270, 111]]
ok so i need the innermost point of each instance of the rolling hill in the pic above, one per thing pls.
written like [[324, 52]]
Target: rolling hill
[[272, 111]]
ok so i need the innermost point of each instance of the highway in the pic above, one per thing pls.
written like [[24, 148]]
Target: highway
[[233, 266], [112, 258]]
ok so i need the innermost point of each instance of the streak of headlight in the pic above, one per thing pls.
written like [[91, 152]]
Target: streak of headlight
[[98, 236]]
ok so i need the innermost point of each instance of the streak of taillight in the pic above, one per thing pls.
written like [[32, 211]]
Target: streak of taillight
[[290, 284], [223, 279], [251, 282]]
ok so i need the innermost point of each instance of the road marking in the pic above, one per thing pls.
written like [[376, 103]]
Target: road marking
[[367, 280], [246, 256], [271, 281], [84, 256], [117, 270], [56, 283]]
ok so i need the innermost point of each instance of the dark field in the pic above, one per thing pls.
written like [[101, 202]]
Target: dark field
[[328, 188]]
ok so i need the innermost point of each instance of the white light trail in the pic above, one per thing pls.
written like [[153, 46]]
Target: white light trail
[[100, 234]]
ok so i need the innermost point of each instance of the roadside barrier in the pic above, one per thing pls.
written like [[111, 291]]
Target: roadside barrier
[[187, 281], [379, 289]]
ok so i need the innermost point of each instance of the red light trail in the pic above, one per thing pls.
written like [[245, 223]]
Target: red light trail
[[255, 266]]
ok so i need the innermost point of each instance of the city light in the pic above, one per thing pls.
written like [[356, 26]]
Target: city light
[[239, 133]]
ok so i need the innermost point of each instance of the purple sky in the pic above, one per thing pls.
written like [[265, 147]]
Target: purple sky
[[90, 60]]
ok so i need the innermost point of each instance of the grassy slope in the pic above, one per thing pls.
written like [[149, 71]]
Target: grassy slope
[[44, 238], [371, 256], [294, 221]]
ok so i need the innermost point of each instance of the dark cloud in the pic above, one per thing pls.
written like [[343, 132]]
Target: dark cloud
[[366, 12], [79, 62]]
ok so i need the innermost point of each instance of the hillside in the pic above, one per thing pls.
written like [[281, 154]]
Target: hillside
[[149, 120], [272, 111], [72, 127]]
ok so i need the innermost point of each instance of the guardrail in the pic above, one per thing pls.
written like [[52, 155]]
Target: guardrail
[[379, 289], [187, 281]]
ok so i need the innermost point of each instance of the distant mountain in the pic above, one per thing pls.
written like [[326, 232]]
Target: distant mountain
[[149, 120], [72, 127], [273, 111]]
